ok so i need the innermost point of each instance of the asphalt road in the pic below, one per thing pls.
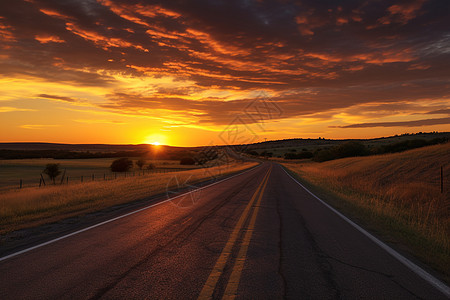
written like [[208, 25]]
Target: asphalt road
[[258, 235]]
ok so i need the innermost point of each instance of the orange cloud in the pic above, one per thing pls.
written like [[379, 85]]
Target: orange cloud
[[389, 56], [54, 13], [406, 11], [402, 13], [309, 21], [123, 12], [304, 27], [102, 41], [419, 67], [36, 126], [341, 21], [134, 13], [325, 57], [215, 45], [155, 10], [6, 34], [44, 39]]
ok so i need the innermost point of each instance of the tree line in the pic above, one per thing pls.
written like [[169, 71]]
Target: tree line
[[353, 148]]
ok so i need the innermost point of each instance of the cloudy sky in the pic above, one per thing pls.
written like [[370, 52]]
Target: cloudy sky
[[204, 72]]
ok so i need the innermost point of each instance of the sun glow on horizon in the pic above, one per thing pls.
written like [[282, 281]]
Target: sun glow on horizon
[[156, 140]]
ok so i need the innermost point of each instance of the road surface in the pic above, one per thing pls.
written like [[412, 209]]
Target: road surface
[[258, 235]]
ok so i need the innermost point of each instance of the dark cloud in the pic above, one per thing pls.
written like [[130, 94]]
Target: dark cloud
[[439, 112], [416, 123], [55, 97], [344, 53]]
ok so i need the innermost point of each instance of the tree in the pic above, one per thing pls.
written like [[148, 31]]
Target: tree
[[350, 149], [187, 161], [300, 155], [140, 163], [52, 170], [252, 152], [151, 166], [121, 165]]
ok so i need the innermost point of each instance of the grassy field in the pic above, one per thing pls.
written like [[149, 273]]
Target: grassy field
[[397, 195], [34, 206], [29, 170]]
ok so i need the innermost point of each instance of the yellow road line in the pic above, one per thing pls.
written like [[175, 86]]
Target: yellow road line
[[208, 289], [233, 282]]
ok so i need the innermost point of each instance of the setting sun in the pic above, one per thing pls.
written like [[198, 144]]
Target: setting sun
[[156, 140]]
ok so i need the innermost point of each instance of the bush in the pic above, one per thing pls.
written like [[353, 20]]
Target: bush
[[324, 155], [252, 152], [140, 163], [151, 166], [266, 154], [407, 145], [121, 165], [300, 155], [350, 149], [52, 170], [187, 161]]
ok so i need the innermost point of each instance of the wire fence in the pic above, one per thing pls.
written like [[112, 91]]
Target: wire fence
[[66, 178]]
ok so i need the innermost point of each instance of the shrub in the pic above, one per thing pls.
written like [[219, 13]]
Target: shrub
[[140, 163], [407, 145], [52, 170], [266, 154], [187, 161], [252, 152], [324, 155], [121, 165], [300, 155], [350, 149]]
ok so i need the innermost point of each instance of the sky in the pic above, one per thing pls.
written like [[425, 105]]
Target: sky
[[206, 72]]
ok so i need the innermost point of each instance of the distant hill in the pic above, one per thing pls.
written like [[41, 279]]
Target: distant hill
[[76, 147], [77, 151], [279, 147]]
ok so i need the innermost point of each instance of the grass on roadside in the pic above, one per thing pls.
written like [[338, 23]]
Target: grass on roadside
[[35, 206], [398, 195]]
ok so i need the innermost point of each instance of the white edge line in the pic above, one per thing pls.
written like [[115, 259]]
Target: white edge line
[[442, 287], [121, 216]]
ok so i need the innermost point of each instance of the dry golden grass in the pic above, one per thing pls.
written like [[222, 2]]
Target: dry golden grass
[[35, 206], [402, 190]]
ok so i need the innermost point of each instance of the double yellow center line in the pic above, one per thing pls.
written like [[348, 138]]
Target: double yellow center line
[[233, 282]]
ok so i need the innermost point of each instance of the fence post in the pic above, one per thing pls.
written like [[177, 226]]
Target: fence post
[[62, 178], [442, 180], [40, 182], [43, 181], [67, 180], [20, 185]]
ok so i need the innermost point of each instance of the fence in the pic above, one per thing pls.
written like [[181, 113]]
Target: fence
[[66, 178]]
